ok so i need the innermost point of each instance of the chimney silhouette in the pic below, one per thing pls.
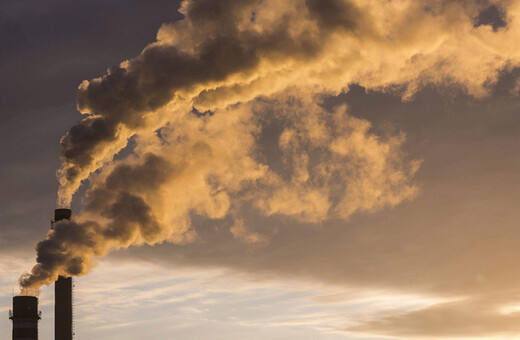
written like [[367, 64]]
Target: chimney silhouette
[[25, 317], [62, 294]]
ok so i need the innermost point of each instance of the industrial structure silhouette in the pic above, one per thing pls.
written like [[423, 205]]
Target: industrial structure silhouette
[[25, 314]]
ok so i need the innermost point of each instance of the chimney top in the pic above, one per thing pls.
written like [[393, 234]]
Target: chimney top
[[62, 214]]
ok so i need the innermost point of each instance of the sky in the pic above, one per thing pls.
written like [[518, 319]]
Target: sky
[[334, 169]]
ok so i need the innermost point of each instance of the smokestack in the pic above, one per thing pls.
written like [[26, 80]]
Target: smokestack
[[62, 295], [25, 317]]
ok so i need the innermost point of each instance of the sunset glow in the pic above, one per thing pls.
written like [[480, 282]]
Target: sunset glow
[[264, 169]]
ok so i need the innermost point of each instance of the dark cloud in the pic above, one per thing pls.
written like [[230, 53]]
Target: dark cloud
[[70, 246], [334, 13], [129, 93], [84, 137], [64, 249], [152, 78], [150, 174], [130, 214], [224, 14], [491, 16], [48, 48]]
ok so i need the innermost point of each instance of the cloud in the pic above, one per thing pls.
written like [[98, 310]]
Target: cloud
[[233, 148], [198, 303], [455, 244], [214, 167], [245, 49], [466, 318]]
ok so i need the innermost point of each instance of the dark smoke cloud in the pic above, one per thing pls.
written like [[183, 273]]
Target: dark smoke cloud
[[149, 175], [129, 93], [82, 139], [70, 246], [210, 167], [222, 56], [230, 51], [332, 14], [63, 251]]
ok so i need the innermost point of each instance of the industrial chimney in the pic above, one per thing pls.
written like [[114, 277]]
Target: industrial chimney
[[25, 317], [62, 294]]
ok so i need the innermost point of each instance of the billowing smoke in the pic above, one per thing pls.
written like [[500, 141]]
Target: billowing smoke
[[225, 117]]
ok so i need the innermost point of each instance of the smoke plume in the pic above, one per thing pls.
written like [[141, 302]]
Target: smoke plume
[[201, 102]]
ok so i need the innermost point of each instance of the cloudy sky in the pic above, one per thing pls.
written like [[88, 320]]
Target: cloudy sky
[[334, 169]]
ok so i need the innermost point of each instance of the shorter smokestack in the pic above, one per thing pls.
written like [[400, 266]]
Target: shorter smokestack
[[25, 317]]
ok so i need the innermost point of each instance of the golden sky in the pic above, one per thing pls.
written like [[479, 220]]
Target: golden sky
[[361, 155]]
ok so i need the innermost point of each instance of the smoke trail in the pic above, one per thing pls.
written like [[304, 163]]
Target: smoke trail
[[231, 51], [213, 166], [236, 60]]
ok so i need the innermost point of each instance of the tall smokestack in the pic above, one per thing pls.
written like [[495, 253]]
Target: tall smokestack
[[62, 295], [25, 317]]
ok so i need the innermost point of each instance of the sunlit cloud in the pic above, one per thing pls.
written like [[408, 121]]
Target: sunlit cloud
[[217, 147]]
